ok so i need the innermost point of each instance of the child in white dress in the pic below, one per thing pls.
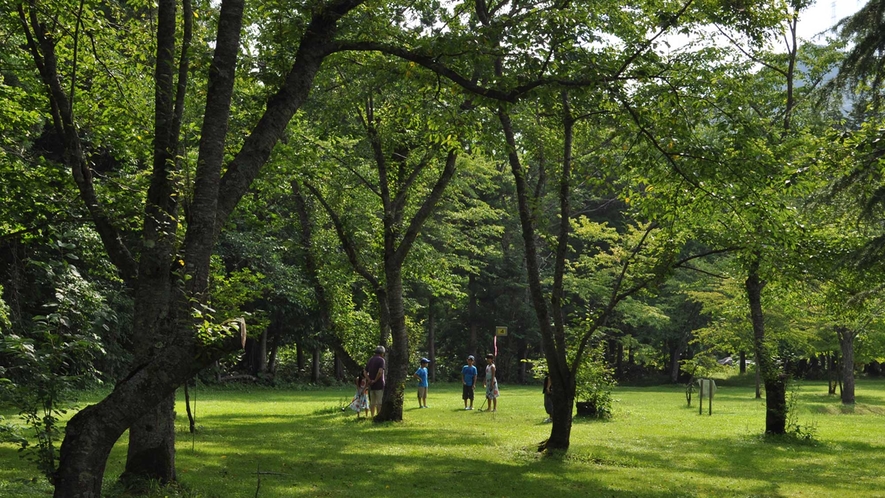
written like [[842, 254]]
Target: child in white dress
[[360, 401]]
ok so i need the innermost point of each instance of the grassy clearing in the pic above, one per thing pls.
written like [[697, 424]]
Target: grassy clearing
[[293, 444]]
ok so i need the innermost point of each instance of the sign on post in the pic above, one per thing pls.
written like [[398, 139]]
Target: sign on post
[[500, 331], [706, 387]]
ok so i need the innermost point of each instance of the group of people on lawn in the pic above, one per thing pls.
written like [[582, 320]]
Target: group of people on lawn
[[370, 384]]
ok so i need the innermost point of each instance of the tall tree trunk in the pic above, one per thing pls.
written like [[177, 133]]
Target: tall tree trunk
[[846, 343], [261, 354], [93, 431], [675, 355], [274, 348], [315, 365], [152, 438], [397, 354], [522, 346], [774, 380], [396, 247], [758, 376], [472, 342], [151, 452], [299, 356], [561, 377], [431, 337]]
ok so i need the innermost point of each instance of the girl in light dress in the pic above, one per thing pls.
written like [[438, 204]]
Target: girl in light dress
[[491, 383], [360, 401]]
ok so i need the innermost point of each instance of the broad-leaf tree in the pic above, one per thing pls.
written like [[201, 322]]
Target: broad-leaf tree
[[169, 276]]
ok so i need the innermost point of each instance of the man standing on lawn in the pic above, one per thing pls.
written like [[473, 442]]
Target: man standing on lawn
[[376, 366]]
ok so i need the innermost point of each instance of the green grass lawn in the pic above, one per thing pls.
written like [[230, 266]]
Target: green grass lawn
[[284, 443]]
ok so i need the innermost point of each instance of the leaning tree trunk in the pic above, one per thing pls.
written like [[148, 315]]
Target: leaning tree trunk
[[93, 431], [561, 378], [846, 343], [774, 381], [312, 266]]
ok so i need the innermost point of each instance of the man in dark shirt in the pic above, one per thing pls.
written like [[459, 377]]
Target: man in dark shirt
[[376, 367]]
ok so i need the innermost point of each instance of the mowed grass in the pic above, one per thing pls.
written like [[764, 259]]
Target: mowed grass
[[279, 443]]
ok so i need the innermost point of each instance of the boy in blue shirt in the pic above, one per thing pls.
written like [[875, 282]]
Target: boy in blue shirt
[[421, 375], [468, 379]]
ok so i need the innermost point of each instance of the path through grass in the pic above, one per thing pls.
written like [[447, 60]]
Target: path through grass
[[294, 444]]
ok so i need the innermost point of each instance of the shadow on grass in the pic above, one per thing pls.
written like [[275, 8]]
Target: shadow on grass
[[322, 451], [327, 454]]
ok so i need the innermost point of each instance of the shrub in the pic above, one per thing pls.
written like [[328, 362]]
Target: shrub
[[593, 385]]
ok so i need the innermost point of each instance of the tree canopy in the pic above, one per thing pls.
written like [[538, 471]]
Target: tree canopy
[[625, 187]]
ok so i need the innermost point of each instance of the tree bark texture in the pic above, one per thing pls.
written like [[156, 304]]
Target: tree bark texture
[[151, 452], [152, 440], [397, 354], [315, 365], [772, 378], [846, 344], [92, 432]]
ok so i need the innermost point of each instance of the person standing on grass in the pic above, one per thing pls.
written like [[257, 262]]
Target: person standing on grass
[[421, 375], [468, 380], [360, 401], [491, 383], [375, 367], [548, 398]]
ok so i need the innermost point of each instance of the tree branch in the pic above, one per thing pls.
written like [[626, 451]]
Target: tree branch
[[314, 46], [425, 210], [346, 243], [42, 49]]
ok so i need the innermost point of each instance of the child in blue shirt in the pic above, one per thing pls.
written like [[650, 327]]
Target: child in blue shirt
[[468, 379], [421, 375]]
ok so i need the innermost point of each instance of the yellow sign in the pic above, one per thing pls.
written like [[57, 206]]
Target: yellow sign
[[501, 331]]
